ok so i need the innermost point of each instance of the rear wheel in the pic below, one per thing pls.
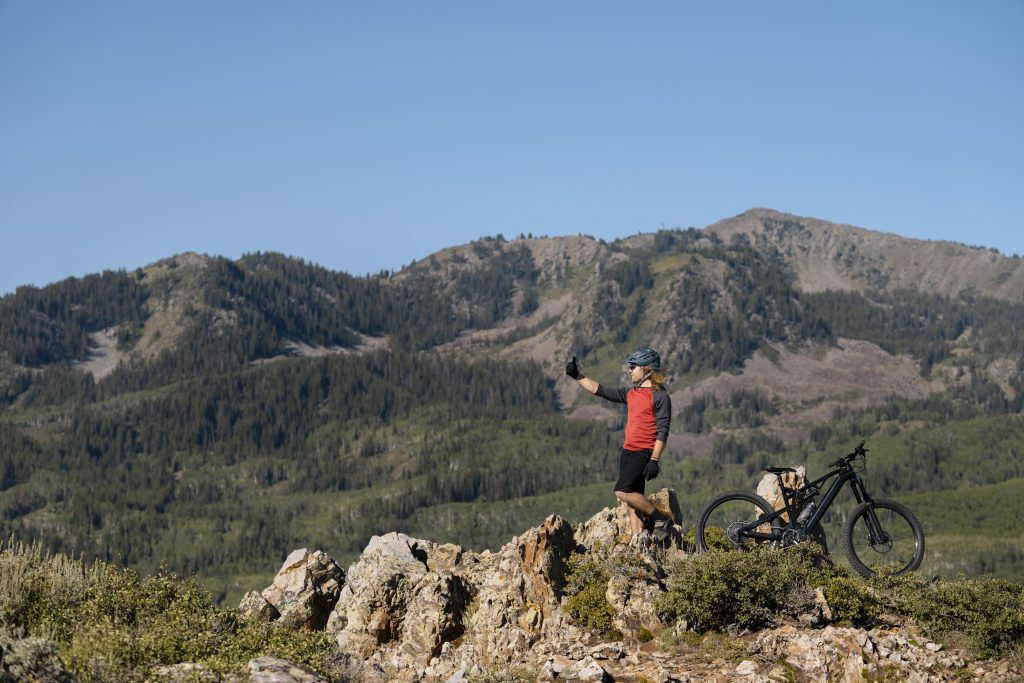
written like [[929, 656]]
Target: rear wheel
[[893, 545], [722, 521]]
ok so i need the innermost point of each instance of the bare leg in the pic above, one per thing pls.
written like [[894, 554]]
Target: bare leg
[[637, 503]]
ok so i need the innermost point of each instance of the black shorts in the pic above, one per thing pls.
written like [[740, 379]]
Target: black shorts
[[631, 471]]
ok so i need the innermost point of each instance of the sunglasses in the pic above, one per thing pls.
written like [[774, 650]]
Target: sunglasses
[[631, 365]]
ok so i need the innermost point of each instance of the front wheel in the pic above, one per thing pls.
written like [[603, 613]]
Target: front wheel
[[884, 537], [724, 520]]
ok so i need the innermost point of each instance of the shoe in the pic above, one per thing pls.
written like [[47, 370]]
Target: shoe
[[661, 526]]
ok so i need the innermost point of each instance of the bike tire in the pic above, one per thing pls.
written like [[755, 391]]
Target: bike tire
[[901, 551], [729, 508]]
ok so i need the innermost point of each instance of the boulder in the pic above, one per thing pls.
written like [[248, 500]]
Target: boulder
[[379, 588], [304, 591], [435, 614], [31, 659], [276, 670], [255, 606], [631, 590], [768, 488], [518, 593], [611, 525], [544, 551]]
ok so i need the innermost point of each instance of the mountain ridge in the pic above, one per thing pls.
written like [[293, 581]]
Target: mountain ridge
[[275, 403], [836, 256]]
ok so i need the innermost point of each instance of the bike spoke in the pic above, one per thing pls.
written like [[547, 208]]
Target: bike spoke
[[884, 540], [728, 525]]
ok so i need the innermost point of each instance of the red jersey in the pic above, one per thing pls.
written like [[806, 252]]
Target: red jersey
[[648, 414]]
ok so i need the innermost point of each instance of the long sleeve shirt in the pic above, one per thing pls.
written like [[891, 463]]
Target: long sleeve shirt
[[648, 414]]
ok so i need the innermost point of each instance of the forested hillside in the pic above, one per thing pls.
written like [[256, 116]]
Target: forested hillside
[[212, 415]]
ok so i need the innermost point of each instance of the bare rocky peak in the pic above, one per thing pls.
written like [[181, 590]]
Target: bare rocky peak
[[835, 256]]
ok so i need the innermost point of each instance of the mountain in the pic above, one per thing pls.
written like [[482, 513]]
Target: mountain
[[212, 414], [831, 256]]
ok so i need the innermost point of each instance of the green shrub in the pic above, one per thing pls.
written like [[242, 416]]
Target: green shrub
[[852, 600], [748, 589], [988, 612], [588, 578], [585, 589], [112, 625]]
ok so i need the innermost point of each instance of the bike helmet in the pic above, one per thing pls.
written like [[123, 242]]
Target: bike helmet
[[646, 358]]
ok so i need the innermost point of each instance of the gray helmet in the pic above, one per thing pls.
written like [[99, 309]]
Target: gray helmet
[[645, 357]]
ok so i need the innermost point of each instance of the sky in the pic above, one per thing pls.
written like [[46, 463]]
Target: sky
[[365, 135]]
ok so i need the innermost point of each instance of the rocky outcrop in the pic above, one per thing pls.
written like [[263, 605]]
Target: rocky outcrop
[[413, 610], [611, 525], [303, 594]]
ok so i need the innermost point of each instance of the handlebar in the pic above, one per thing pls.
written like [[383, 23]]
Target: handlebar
[[859, 450]]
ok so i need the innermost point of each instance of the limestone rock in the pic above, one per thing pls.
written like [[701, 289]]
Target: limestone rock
[[768, 487], [31, 659], [373, 603], [607, 527], [587, 669], [304, 591], [186, 672], [633, 587], [254, 605], [518, 591], [276, 670], [435, 614], [544, 551], [668, 504], [611, 525]]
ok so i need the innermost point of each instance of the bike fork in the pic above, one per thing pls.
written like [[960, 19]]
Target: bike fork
[[876, 534]]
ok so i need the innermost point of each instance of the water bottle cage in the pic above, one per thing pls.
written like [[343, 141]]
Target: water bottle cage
[[805, 498]]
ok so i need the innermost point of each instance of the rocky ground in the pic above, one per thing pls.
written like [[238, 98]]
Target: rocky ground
[[412, 610]]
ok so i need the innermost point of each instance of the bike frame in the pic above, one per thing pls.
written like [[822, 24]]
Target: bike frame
[[843, 474]]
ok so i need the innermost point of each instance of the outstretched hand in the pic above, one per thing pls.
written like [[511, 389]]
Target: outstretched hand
[[572, 369], [651, 470]]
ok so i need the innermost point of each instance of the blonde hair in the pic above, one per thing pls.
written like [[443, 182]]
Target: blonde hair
[[658, 379]]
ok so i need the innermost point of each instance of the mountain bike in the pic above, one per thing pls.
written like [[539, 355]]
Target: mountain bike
[[879, 536]]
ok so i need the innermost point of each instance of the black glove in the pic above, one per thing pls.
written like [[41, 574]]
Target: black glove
[[651, 470], [572, 369]]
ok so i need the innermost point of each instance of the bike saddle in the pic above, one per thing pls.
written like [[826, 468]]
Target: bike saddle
[[777, 470]]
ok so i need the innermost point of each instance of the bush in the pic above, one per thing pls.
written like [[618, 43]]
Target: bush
[[747, 589], [111, 625], [721, 589], [587, 583], [852, 600], [987, 612], [585, 589]]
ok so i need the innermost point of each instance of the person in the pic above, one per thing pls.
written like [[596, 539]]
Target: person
[[648, 418]]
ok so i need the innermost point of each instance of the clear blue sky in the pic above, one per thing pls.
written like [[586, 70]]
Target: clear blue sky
[[365, 135]]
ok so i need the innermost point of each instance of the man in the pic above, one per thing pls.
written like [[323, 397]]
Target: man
[[648, 416]]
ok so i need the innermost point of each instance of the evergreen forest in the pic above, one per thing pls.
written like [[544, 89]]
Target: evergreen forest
[[431, 402]]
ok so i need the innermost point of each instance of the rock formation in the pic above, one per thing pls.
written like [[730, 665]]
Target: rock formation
[[413, 610]]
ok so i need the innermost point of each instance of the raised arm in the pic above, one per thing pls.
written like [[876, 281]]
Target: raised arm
[[573, 371]]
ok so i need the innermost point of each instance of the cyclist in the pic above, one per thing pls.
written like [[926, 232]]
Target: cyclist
[[648, 417]]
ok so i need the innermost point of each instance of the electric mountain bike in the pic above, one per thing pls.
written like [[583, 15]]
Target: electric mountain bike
[[879, 536]]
